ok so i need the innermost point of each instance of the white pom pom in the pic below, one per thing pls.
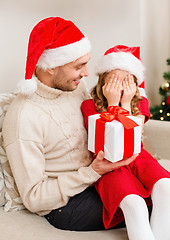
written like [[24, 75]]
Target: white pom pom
[[27, 87]]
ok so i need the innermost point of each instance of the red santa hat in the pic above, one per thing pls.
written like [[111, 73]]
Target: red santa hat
[[53, 42], [124, 58]]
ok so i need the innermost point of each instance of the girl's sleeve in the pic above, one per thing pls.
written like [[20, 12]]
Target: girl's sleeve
[[144, 108], [88, 108], [143, 105]]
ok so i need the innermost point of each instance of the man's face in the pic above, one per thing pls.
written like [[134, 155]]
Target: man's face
[[68, 77]]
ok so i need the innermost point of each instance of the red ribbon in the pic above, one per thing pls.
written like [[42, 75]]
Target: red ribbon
[[120, 114]]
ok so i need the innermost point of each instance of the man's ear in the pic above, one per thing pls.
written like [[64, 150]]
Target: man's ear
[[50, 71]]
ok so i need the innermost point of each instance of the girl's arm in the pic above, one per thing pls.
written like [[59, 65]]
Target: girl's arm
[[88, 108], [143, 107], [129, 90], [112, 89]]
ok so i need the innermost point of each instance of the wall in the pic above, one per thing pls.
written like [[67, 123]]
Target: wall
[[155, 43], [106, 23]]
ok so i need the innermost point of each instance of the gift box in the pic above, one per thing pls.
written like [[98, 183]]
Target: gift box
[[117, 134]]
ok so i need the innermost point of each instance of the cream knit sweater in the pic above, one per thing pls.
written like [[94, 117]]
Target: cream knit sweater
[[46, 144]]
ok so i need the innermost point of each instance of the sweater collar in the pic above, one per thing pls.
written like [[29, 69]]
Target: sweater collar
[[48, 95], [47, 92]]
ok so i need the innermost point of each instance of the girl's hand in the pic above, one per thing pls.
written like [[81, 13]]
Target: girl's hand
[[112, 89], [129, 90]]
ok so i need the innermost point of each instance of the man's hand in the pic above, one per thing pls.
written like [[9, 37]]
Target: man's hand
[[102, 166]]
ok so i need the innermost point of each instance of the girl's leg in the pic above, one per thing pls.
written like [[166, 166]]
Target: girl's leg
[[160, 217], [136, 218]]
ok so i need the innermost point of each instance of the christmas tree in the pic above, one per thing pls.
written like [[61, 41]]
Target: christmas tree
[[162, 111]]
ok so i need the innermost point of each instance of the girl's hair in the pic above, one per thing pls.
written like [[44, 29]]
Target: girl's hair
[[101, 101]]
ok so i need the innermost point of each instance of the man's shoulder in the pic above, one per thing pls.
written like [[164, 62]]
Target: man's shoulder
[[23, 120], [17, 106], [21, 111]]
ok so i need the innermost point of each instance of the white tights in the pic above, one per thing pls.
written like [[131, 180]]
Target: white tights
[[160, 218], [137, 218]]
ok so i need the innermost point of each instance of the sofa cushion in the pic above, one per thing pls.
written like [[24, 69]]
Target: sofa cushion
[[25, 226], [2, 188], [165, 163], [148, 147], [12, 199]]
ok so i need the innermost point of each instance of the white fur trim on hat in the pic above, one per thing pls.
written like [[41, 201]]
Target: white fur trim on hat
[[60, 56], [121, 60], [142, 92], [27, 87]]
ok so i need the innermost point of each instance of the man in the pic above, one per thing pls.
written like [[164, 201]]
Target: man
[[44, 136]]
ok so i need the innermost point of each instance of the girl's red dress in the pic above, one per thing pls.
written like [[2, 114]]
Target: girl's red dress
[[136, 178]]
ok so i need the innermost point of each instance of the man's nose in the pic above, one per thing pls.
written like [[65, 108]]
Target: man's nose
[[85, 71]]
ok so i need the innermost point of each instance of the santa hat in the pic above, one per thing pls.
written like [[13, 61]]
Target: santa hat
[[53, 42], [124, 58]]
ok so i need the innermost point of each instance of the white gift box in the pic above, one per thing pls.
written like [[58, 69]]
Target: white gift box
[[114, 137]]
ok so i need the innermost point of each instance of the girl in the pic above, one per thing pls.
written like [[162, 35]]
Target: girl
[[126, 192]]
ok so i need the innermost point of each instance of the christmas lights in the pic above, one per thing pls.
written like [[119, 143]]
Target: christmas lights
[[162, 111]]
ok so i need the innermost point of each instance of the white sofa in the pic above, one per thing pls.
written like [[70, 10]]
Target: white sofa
[[23, 225]]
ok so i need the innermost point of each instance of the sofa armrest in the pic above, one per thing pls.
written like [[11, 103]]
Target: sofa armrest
[[158, 133]]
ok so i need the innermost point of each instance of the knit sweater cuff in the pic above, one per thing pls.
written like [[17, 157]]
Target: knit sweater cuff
[[93, 173]]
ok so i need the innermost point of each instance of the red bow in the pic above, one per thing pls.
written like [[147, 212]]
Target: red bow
[[118, 113]]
